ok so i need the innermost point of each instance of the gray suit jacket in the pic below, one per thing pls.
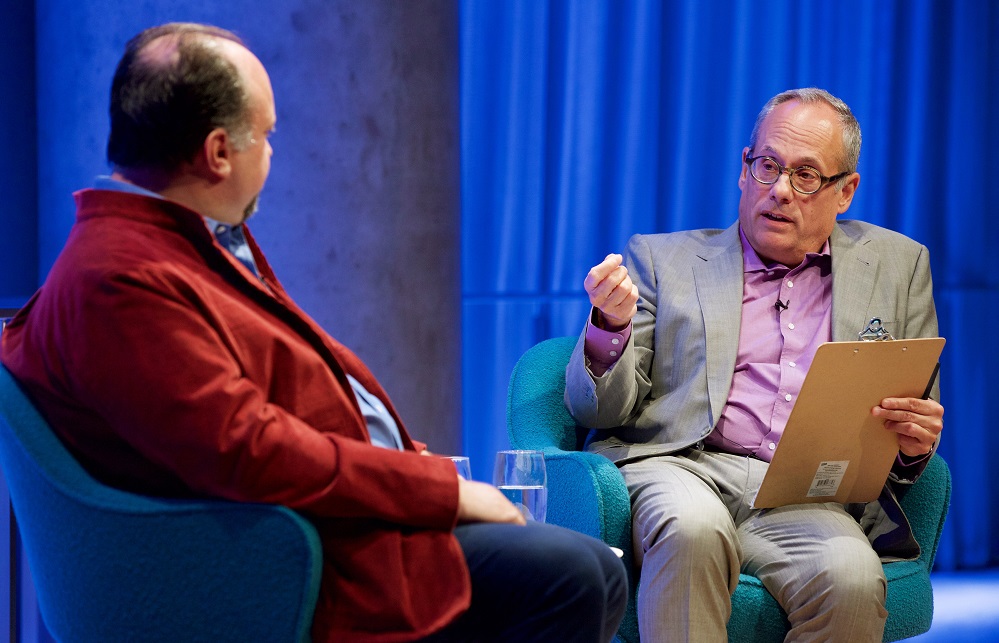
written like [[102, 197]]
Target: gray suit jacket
[[671, 382]]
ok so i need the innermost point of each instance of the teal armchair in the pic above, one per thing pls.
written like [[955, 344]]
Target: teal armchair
[[115, 566], [586, 493]]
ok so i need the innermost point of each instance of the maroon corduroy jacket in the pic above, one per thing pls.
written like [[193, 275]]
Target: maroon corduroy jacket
[[169, 369]]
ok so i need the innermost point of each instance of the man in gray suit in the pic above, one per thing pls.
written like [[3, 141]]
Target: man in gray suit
[[694, 353]]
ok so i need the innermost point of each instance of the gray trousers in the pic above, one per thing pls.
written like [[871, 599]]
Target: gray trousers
[[694, 529]]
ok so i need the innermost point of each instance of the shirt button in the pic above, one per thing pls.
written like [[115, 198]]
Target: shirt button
[[790, 284], [220, 229], [791, 364], [791, 325], [613, 353], [772, 446], [787, 398], [615, 341]]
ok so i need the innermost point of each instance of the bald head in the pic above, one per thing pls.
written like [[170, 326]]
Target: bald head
[[174, 84]]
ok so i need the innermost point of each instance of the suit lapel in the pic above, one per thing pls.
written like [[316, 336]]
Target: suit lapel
[[718, 282], [854, 270]]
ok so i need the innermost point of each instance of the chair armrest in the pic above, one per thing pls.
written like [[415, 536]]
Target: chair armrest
[[229, 571], [925, 503], [586, 493], [536, 415]]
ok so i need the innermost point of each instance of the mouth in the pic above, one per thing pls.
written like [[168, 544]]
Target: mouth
[[774, 216]]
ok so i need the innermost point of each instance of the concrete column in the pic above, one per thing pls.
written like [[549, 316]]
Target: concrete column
[[362, 212]]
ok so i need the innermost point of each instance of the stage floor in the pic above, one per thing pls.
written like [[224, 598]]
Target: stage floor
[[966, 608]]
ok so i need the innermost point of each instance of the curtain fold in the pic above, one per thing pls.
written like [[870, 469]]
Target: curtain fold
[[586, 121]]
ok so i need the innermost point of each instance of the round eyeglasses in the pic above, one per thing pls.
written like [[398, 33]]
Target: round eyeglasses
[[804, 179]]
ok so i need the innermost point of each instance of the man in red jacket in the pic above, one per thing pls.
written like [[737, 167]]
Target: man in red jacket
[[169, 359]]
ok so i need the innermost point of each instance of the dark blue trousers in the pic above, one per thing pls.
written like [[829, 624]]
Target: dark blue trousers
[[538, 583]]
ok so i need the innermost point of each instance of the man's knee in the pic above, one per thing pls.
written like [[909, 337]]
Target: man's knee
[[852, 571], [844, 598], [534, 582], [848, 574], [703, 528], [588, 565], [587, 585]]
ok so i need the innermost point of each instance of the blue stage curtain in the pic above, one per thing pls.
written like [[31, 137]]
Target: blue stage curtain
[[585, 121], [18, 156]]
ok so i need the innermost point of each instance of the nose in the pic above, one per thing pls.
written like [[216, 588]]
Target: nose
[[781, 188]]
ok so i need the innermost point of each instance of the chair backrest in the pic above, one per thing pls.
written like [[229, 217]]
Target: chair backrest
[[113, 565], [536, 415], [29, 447]]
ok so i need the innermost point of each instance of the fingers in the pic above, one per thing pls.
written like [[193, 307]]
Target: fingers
[[604, 277], [917, 422], [611, 291], [480, 502], [600, 271]]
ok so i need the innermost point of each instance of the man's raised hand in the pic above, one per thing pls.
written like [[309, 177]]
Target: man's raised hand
[[612, 293]]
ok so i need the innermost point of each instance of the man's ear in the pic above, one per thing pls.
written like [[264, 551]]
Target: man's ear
[[745, 168], [215, 157], [847, 192]]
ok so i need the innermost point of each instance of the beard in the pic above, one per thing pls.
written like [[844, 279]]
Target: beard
[[251, 208]]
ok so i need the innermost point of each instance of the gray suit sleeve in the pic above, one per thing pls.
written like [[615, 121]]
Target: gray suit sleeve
[[608, 401], [921, 321]]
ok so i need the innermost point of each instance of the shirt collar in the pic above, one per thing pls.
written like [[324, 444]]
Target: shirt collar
[[218, 228], [751, 261], [105, 182]]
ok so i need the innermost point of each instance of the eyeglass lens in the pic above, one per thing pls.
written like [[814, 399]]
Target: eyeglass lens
[[805, 179]]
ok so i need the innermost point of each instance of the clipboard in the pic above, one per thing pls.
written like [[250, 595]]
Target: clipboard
[[833, 449]]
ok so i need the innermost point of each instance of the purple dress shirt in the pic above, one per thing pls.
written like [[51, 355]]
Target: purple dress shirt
[[786, 315]]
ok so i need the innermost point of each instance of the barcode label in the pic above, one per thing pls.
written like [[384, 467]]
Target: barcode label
[[827, 478]]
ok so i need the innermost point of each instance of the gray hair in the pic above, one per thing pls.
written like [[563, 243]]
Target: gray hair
[[851, 128]]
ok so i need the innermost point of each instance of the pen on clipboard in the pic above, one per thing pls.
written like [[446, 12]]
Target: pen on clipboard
[[933, 379]]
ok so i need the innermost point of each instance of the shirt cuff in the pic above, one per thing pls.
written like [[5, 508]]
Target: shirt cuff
[[906, 468], [903, 460], [603, 347]]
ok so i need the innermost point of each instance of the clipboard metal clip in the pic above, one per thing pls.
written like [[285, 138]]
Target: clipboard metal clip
[[875, 332]]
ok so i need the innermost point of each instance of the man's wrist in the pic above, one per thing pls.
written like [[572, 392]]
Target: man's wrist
[[909, 460], [601, 321], [604, 347]]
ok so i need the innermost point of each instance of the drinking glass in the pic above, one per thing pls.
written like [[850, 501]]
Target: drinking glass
[[462, 465], [520, 475]]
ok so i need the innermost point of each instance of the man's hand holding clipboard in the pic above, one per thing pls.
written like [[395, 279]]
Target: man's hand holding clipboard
[[835, 447]]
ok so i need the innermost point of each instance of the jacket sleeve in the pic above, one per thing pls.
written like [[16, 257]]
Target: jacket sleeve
[[154, 364], [609, 400], [921, 321]]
